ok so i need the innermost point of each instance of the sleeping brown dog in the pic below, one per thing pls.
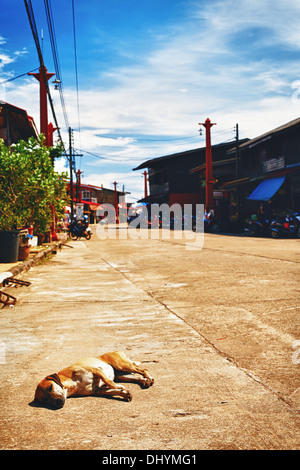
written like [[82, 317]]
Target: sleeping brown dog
[[92, 376]]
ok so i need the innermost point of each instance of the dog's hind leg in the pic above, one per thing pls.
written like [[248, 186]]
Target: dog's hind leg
[[120, 362], [129, 377], [110, 388], [105, 391]]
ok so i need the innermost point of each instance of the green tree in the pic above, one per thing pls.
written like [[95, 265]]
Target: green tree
[[29, 186]]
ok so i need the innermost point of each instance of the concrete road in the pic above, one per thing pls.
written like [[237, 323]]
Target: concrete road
[[216, 326]]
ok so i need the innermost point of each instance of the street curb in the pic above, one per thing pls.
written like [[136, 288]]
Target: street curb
[[32, 261]]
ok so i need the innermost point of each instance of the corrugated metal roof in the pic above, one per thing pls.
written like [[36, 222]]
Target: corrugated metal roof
[[181, 154], [268, 135]]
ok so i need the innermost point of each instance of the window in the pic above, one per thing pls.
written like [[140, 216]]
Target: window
[[86, 194]]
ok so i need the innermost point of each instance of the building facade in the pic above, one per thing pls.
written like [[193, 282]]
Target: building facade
[[269, 171], [15, 124], [91, 198], [171, 179], [246, 173]]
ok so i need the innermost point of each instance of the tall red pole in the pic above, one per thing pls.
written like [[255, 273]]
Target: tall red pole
[[44, 128], [209, 168], [146, 181], [51, 130], [116, 203], [43, 100], [79, 173]]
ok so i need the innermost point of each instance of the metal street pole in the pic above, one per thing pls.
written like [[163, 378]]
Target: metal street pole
[[71, 173], [78, 185], [42, 77], [209, 188], [237, 151], [145, 183], [116, 203]]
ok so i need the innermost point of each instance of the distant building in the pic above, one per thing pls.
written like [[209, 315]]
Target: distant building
[[93, 197], [180, 177], [246, 173], [15, 124], [269, 170]]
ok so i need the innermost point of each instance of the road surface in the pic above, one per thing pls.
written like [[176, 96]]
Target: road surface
[[217, 326]]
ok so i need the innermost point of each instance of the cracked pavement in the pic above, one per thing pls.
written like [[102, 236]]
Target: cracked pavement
[[217, 327]]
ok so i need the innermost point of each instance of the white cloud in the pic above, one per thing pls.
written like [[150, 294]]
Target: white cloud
[[225, 18], [61, 165], [25, 95], [218, 63], [8, 58], [5, 59]]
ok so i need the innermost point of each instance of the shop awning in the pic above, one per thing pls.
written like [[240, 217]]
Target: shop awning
[[93, 206], [266, 189]]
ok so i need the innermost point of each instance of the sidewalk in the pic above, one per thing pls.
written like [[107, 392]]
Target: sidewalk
[[118, 295], [37, 254]]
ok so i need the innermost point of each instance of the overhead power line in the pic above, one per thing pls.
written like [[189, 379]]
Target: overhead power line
[[19, 76], [55, 58], [32, 22], [76, 67]]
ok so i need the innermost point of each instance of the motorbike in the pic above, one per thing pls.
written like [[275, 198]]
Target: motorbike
[[258, 227], [209, 221], [288, 226], [78, 229]]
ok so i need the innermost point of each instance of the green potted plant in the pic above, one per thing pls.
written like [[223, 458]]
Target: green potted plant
[[12, 213], [29, 188], [41, 220]]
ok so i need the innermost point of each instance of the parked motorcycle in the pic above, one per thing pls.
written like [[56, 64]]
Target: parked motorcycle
[[78, 229], [288, 226], [209, 221], [258, 227]]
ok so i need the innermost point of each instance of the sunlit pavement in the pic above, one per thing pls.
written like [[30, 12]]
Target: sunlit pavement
[[216, 324]]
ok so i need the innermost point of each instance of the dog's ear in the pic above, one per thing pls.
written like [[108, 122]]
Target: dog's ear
[[55, 379]]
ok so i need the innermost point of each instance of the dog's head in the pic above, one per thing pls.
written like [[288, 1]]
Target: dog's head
[[50, 392]]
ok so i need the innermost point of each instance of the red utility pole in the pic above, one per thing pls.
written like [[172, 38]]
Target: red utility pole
[[45, 129], [209, 168], [43, 100], [116, 202], [146, 180], [51, 130], [79, 173]]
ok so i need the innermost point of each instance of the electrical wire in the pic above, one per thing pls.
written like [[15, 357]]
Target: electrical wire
[[55, 57], [19, 76], [32, 22], [93, 154], [167, 139], [76, 67]]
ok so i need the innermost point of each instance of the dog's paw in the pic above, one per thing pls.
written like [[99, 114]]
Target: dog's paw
[[147, 383], [127, 395]]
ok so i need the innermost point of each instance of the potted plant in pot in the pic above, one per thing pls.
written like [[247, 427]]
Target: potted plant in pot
[[29, 188], [13, 214], [41, 221], [24, 247]]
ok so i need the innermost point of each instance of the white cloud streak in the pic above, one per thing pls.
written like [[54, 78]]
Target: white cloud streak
[[220, 62]]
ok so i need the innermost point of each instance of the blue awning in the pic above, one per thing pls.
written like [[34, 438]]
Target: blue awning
[[266, 189]]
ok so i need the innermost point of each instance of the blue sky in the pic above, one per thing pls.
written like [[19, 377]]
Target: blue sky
[[150, 70]]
